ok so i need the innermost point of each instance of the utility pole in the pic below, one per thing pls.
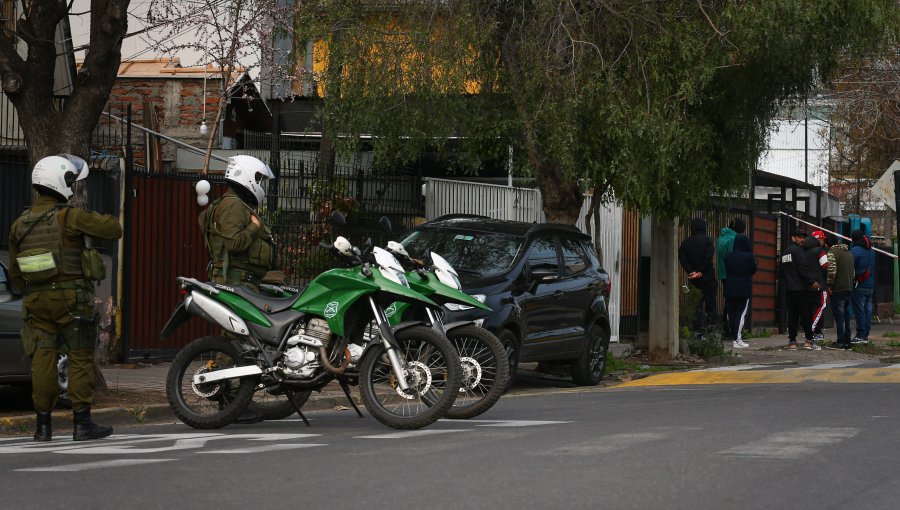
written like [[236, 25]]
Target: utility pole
[[897, 234], [664, 337], [806, 148]]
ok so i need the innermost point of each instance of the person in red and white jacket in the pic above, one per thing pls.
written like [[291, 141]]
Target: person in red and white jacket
[[816, 259]]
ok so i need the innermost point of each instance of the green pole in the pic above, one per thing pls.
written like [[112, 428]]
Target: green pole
[[896, 276]]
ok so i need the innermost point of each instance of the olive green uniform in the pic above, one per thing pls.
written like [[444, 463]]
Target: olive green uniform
[[241, 251], [57, 311]]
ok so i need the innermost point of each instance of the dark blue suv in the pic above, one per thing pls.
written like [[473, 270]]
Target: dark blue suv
[[543, 281]]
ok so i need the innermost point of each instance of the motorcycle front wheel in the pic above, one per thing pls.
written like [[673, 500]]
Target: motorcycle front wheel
[[485, 370], [432, 370], [207, 405]]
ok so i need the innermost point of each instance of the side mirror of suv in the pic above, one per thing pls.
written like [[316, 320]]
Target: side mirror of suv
[[542, 274]]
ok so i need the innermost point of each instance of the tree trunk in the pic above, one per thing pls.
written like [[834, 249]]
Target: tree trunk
[[29, 82], [561, 197]]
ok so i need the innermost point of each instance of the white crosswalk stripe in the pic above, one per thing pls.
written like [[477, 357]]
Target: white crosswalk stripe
[[266, 448], [792, 444], [513, 423], [606, 444], [85, 466], [411, 433]]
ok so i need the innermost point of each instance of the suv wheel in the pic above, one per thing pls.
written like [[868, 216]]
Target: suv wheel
[[588, 369], [511, 346]]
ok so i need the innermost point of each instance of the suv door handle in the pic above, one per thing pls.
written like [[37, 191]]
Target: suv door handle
[[558, 294]]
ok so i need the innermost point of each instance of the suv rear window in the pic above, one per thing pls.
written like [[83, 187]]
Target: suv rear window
[[482, 253], [543, 254], [574, 258]]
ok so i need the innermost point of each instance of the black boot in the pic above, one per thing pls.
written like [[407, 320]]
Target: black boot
[[44, 430], [86, 429]]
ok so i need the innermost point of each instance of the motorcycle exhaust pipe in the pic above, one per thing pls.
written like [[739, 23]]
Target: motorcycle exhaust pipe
[[339, 370], [211, 310]]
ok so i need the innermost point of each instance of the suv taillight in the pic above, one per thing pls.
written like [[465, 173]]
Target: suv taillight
[[608, 290]]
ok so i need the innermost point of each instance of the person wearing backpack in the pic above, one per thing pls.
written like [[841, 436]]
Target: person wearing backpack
[[51, 264], [240, 244]]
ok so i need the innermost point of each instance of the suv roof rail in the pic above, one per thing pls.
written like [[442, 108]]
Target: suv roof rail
[[459, 216], [537, 227]]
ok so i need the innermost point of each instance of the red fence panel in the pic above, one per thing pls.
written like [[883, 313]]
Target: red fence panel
[[165, 242], [765, 242]]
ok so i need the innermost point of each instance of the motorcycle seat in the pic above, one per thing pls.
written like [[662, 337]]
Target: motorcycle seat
[[266, 303]]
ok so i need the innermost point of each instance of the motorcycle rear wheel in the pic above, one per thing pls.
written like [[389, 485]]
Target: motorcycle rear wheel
[[485, 371], [433, 373], [210, 405]]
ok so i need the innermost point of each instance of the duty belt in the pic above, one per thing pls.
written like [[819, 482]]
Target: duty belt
[[66, 285], [235, 274]]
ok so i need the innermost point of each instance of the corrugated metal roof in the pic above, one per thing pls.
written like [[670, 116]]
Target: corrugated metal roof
[[168, 68]]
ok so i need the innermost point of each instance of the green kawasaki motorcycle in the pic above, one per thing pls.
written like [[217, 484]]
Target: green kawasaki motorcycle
[[482, 357], [408, 378]]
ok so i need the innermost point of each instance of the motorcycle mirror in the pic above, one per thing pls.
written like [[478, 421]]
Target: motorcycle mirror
[[397, 249], [385, 223], [338, 218], [343, 246]]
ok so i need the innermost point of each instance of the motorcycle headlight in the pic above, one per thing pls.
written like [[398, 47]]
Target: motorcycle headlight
[[457, 307]]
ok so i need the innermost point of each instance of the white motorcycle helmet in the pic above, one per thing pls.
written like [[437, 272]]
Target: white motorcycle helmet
[[250, 174], [57, 174]]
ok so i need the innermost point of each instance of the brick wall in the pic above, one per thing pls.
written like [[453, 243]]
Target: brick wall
[[178, 103]]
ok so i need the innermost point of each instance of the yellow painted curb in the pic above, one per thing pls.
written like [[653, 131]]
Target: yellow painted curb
[[784, 376]]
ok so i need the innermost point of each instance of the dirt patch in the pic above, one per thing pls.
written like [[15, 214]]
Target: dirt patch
[[17, 401], [125, 398]]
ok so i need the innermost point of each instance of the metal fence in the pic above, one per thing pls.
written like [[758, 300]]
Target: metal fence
[[501, 202], [165, 240], [15, 188]]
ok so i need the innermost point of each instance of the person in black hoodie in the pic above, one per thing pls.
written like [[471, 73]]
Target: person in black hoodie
[[817, 264], [798, 282], [740, 265], [696, 257]]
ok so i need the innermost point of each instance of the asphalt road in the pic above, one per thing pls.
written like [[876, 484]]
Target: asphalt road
[[799, 446]]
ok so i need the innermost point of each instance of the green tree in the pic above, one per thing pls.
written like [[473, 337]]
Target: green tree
[[657, 104], [28, 57]]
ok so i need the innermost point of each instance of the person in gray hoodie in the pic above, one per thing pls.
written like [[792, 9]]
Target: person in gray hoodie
[[840, 284]]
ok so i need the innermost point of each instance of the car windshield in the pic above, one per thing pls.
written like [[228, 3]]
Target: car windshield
[[482, 253]]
